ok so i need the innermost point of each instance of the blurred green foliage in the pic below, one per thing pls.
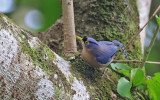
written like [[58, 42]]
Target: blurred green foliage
[[50, 9], [154, 54]]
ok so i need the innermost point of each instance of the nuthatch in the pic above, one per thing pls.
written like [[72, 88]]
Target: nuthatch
[[99, 53]]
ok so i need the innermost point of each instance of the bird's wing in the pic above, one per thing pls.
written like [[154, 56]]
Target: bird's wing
[[105, 43], [115, 42], [106, 51], [103, 60]]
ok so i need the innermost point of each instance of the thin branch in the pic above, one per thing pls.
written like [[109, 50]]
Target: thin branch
[[134, 61], [126, 61], [150, 46], [137, 34]]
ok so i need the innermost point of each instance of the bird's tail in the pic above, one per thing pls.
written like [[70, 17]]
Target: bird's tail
[[119, 44]]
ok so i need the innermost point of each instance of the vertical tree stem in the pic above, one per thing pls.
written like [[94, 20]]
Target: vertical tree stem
[[70, 45], [150, 47]]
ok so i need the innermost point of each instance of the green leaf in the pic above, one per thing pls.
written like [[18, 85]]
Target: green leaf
[[124, 72], [137, 76], [154, 89], [119, 66], [156, 77], [124, 87], [158, 20]]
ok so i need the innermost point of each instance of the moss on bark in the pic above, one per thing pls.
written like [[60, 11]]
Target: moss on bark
[[37, 55], [108, 20], [105, 20]]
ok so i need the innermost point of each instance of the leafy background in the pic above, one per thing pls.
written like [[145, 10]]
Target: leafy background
[[38, 15], [155, 52], [33, 15]]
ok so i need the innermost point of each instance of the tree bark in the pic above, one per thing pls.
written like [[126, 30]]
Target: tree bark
[[144, 9], [29, 70], [70, 45], [105, 20]]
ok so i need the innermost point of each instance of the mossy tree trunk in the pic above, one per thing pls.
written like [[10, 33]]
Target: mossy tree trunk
[[109, 20], [102, 20], [106, 20], [29, 70]]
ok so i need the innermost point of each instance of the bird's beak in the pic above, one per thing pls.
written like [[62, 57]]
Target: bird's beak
[[79, 38]]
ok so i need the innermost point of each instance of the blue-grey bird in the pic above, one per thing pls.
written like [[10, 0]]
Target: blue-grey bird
[[99, 53]]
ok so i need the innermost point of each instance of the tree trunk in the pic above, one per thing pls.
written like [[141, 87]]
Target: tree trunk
[[106, 20], [102, 20], [70, 45], [144, 9], [29, 70]]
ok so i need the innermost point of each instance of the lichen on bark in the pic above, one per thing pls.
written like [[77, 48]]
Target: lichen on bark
[[29, 70], [102, 20]]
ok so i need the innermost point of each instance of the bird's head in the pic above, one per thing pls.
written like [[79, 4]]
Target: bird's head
[[88, 42]]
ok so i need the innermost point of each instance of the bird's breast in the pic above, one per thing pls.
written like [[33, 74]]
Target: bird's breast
[[89, 57]]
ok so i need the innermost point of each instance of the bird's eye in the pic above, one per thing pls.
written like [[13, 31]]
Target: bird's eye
[[87, 42]]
